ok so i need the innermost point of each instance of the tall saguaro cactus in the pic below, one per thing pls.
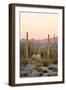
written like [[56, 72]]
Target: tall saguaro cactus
[[26, 44], [38, 46], [54, 39], [48, 45]]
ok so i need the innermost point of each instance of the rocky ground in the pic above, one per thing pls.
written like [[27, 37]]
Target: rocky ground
[[30, 70]]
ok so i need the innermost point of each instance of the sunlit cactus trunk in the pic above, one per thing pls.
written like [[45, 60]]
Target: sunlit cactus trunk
[[48, 46], [38, 47], [26, 44], [54, 39]]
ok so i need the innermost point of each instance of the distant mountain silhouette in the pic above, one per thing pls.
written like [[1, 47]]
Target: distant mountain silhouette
[[43, 43]]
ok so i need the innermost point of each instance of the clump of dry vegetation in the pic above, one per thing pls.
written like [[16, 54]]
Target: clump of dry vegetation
[[46, 62]]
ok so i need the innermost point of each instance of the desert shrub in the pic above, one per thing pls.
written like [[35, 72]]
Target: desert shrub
[[24, 61], [37, 61], [38, 67], [54, 61], [33, 56], [30, 61], [46, 62], [44, 53], [36, 57]]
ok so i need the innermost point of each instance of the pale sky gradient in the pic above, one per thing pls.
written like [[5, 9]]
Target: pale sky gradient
[[38, 25]]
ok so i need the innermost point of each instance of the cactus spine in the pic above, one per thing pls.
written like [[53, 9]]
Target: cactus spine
[[26, 44]]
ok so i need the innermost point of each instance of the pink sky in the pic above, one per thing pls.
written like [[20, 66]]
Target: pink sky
[[38, 25]]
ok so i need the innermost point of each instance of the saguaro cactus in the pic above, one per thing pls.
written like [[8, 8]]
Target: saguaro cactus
[[54, 39], [38, 47], [26, 44], [48, 45]]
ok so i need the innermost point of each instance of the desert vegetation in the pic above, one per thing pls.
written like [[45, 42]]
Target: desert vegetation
[[36, 60]]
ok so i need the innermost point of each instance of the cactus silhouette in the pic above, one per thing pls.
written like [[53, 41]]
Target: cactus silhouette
[[26, 44], [54, 39], [38, 47], [48, 46]]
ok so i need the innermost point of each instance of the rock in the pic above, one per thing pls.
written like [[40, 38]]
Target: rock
[[53, 67], [44, 69], [29, 66], [45, 74], [23, 74], [41, 74], [27, 70], [51, 73], [34, 73]]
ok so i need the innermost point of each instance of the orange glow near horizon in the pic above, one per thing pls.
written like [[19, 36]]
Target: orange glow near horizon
[[38, 25]]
